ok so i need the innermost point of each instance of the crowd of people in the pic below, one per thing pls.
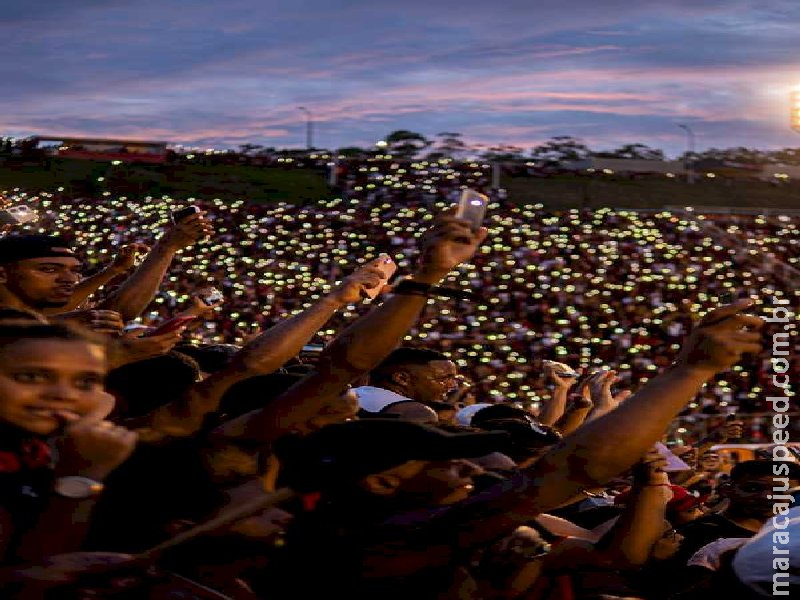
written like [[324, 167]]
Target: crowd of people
[[529, 409]]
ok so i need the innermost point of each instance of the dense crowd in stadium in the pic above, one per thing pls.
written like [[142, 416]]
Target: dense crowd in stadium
[[576, 341]]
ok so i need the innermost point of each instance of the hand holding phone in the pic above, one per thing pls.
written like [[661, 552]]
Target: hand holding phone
[[472, 207], [169, 326], [184, 213], [387, 267], [212, 297]]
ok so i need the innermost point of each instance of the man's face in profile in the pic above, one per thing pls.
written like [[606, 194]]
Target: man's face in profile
[[42, 282]]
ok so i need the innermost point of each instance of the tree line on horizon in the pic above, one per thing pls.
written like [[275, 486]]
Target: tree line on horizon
[[406, 144]]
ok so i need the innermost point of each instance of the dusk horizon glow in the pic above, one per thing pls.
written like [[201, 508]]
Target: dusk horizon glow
[[217, 75]]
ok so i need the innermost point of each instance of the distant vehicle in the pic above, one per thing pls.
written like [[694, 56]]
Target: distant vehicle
[[128, 151]]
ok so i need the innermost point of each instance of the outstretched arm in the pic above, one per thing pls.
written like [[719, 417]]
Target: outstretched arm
[[88, 286], [263, 355], [642, 523], [554, 408], [138, 290], [364, 344], [591, 456], [603, 448]]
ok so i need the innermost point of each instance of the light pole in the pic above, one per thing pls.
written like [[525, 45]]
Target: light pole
[[690, 157], [794, 108], [309, 127]]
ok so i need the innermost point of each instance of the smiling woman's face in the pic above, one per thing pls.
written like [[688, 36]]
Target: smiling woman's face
[[41, 377]]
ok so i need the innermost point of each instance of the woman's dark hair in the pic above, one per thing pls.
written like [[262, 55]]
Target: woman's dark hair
[[14, 331]]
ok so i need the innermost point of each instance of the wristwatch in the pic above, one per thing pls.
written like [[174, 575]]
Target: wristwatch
[[77, 487]]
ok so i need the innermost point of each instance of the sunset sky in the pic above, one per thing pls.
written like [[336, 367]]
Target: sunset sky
[[218, 73]]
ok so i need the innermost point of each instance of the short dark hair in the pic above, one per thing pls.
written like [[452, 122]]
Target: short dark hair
[[402, 357], [145, 385], [762, 468], [210, 357], [14, 331], [254, 393]]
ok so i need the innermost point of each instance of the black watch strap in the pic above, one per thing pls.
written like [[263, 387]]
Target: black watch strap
[[409, 287]]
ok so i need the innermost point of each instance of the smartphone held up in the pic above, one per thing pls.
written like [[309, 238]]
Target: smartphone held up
[[18, 215], [184, 213], [472, 207], [387, 267]]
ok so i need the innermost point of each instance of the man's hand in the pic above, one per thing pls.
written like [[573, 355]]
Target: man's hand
[[186, 232], [600, 384], [199, 309], [351, 289], [133, 348], [126, 257], [100, 321], [446, 245], [650, 470], [91, 446], [730, 430], [721, 338], [552, 374]]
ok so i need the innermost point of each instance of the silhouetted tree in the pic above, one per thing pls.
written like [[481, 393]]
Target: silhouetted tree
[[633, 151], [406, 144], [559, 149]]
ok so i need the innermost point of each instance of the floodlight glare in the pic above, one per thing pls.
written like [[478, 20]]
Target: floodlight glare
[[794, 108]]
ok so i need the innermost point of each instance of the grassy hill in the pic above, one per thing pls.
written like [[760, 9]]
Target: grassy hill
[[270, 184], [83, 177], [570, 191]]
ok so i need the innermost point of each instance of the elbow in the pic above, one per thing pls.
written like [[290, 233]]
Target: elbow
[[339, 357]]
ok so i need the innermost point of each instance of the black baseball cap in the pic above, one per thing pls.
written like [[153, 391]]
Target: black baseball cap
[[344, 453], [14, 248]]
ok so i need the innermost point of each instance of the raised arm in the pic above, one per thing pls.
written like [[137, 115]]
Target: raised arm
[[642, 523], [138, 290], [554, 408], [603, 448], [604, 401], [363, 345], [263, 355], [598, 451], [575, 415], [122, 263]]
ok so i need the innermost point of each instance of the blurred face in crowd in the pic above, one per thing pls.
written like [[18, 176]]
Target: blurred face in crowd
[[39, 378], [420, 483], [748, 495], [668, 543], [710, 461], [430, 382], [42, 282]]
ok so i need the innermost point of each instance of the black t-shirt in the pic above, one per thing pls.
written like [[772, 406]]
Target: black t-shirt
[[157, 485]]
